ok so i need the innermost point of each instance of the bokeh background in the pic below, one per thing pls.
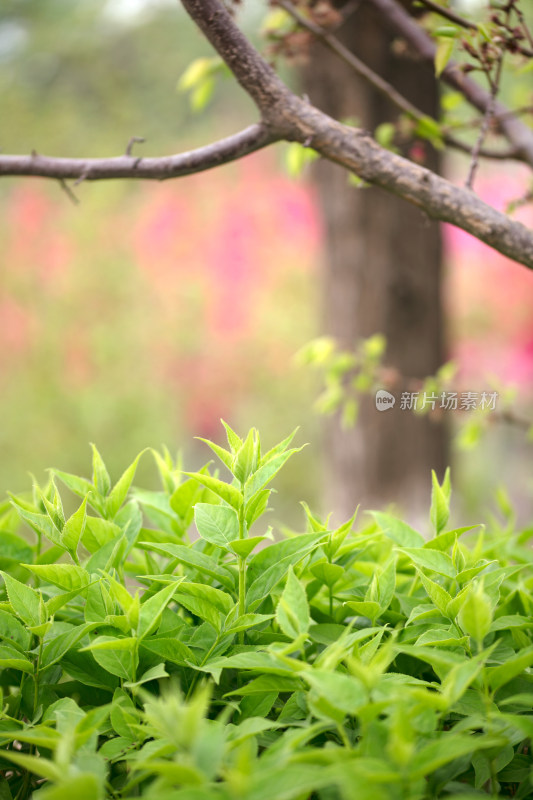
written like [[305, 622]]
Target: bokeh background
[[148, 311]]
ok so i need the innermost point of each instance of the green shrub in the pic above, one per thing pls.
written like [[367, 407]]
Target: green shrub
[[138, 660]]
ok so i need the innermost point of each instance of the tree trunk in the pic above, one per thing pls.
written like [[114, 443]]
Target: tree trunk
[[382, 273]]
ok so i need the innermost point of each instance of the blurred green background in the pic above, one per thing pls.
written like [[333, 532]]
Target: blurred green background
[[148, 311]]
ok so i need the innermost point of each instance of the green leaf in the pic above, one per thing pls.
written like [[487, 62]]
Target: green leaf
[[170, 650], [267, 684], [219, 599], [41, 523], [152, 610], [82, 786], [365, 608], [429, 128], [224, 455], [196, 73], [437, 593], [216, 524], [243, 547], [326, 573], [262, 662], [202, 608], [11, 658], [98, 532], [475, 614], [267, 472], [244, 459], [80, 486], [297, 157], [37, 765], [443, 53], [446, 540], [433, 560], [342, 693], [115, 655], [195, 560], [268, 566], [499, 676], [13, 630], [73, 529], [398, 531], [68, 577], [292, 612], [434, 755], [440, 502], [461, 677], [247, 621], [24, 600], [224, 490], [384, 135], [101, 479], [234, 441], [278, 448], [57, 646], [13, 550], [256, 506], [120, 490]]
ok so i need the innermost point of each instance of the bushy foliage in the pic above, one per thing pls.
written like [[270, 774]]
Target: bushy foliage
[[141, 659]]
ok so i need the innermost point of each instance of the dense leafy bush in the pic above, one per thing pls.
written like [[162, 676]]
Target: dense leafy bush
[[328, 664]]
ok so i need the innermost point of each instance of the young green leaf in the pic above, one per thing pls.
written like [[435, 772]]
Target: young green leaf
[[74, 528], [23, 599], [120, 490], [440, 501], [245, 462], [224, 490], [216, 524], [292, 612], [101, 479]]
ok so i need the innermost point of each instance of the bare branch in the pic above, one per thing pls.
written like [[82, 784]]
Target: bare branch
[[519, 135], [494, 84], [93, 169], [289, 117]]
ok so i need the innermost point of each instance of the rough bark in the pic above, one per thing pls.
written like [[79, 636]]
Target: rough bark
[[382, 273]]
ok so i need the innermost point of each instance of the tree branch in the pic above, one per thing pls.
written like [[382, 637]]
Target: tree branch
[[286, 116], [520, 136], [127, 166]]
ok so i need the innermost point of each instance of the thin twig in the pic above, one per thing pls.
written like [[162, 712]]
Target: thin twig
[[475, 123], [494, 89], [132, 141], [68, 191], [450, 15]]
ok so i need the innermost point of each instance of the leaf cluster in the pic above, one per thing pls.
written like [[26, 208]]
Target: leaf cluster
[[152, 644]]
